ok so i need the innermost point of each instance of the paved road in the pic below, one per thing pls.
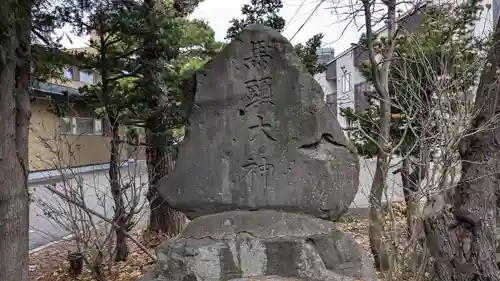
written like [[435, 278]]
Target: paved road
[[367, 170], [48, 212], [47, 226]]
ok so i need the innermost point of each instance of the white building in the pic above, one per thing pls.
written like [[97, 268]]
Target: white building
[[344, 86], [342, 82]]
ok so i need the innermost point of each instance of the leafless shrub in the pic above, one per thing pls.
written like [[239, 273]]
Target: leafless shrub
[[80, 204], [438, 113]]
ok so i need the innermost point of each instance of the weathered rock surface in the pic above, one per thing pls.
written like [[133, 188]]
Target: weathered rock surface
[[261, 245], [267, 278], [261, 137]]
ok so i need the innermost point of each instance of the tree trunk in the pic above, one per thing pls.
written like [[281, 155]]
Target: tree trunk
[[380, 79], [160, 161], [376, 228], [411, 186], [379, 248], [14, 125], [462, 241], [120, 216], [415, 257]]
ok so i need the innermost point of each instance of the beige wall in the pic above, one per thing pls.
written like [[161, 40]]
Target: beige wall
[[48, 148]]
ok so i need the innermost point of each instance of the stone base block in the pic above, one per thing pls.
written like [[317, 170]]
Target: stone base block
[[261, 245]]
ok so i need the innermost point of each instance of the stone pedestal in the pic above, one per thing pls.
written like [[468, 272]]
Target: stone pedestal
[[262, 245]]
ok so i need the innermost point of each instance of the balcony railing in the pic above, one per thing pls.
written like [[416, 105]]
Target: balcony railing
[[55, 89]]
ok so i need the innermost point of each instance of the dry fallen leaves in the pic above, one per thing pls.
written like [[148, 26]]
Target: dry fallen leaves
[[50, 264]]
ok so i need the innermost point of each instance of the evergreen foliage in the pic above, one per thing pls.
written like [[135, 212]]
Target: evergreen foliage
[[266, 12]]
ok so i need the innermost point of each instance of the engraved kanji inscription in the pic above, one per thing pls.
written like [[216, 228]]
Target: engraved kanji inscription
[[260, 56], [259, 91], [261, 128], [258, 173]]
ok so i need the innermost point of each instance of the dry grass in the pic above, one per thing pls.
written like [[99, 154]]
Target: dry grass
[[358, 226]]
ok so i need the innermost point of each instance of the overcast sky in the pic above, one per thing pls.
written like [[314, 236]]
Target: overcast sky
[[218, 13]]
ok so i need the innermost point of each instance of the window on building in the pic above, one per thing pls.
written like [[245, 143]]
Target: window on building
[[68, 74], [350, 126], [331, 101], [362, 93], [86, 77], [66, 125], [81, 126], [346, 83]]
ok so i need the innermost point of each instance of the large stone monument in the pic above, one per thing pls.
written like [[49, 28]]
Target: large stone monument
[[264, 171]]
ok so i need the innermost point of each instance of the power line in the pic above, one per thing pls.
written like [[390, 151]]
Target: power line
[[295, 14], [308, 18]]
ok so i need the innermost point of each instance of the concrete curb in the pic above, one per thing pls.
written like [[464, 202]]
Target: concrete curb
[[37, 249], [361, 212], [69, 173], [72, 236], [364, 211]]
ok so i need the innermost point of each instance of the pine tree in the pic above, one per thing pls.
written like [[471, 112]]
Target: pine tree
[[265, 12]]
